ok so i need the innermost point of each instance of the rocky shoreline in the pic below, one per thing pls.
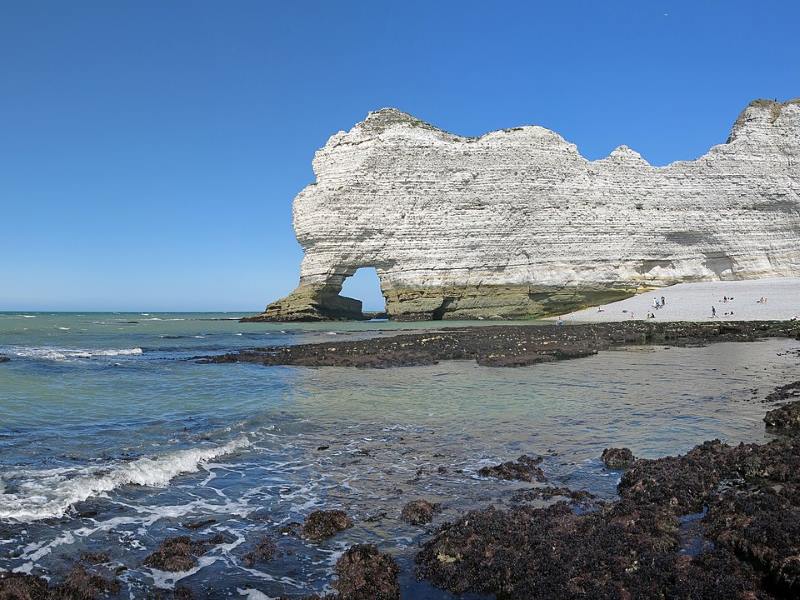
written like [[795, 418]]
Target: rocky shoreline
[[506, 346], [718, 522]]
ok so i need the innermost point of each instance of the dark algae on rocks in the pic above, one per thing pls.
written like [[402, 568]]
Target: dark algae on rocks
[[79, 584], [505, 345], [617, 458], [322, 524], [525, 468], [746, 498], [419, 512], [180, 553], [785, 417], [364, 573]]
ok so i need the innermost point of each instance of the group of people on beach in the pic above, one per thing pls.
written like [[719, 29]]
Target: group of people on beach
[[657, 305], [714, 312], [725, 300]]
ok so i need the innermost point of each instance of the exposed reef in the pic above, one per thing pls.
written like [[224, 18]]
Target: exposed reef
[[517, 224], [505, 345], [617, 458], [742, 502]]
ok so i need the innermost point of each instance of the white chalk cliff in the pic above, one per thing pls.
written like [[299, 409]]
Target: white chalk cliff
[[516, 223]]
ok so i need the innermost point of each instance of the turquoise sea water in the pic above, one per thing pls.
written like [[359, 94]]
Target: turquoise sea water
[[112, 438]]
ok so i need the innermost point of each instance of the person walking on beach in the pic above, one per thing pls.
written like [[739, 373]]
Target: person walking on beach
[[663, 301], [713, 312]]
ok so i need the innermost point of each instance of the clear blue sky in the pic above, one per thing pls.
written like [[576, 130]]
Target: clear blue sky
[[150, 150]]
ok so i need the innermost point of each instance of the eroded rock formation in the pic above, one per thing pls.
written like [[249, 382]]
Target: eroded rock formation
[[516, 223]]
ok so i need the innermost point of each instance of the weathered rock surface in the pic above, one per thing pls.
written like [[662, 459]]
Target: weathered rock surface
[[784, 392], [525, 468], [180, 553], [785, 417], [505, 345], [516, 223], [419, 512], [322, 524], [745, 499], [617, 458], [364, 573], [79, 584], [265, 550]]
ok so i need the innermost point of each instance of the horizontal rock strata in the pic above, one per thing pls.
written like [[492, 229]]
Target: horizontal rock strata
[[516, 223]]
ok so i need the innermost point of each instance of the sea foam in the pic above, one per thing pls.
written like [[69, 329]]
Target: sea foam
[[64, 354], [44, 494]]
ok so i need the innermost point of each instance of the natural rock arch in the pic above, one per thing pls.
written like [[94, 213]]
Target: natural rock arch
[[517, 224], [365, 284]]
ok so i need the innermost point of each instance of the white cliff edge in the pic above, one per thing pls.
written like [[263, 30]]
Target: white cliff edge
[[516, 223]]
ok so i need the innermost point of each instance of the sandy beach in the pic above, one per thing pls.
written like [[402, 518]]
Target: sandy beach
[[693, 302]]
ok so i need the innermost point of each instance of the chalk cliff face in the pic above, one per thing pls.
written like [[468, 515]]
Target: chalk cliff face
[[516, 223]]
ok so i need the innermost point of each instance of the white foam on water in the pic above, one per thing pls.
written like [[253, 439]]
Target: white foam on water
[[64, 354], [252, 594], [120, 352], [49, 493]]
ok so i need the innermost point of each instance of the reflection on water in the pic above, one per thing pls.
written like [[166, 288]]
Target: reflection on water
[[367, 441]]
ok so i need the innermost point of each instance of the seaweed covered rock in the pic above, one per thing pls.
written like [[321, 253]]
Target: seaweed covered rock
[[680, 482], [758, 517], [746, 499], [322, 524], [551, 553], [784, 392], [81, 584], [364, 573], [419, 512], [263, 551], [548, 493], [785, 417], [21, 586], [525, 468], [180, 553], [617, 458]]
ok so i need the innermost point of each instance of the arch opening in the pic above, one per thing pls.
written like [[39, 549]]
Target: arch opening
[[365, 285]]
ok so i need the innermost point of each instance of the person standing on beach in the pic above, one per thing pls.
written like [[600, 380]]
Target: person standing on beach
[[663, 301], [713, 312]]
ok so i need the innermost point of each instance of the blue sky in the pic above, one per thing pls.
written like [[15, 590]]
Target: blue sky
[[150, 151]]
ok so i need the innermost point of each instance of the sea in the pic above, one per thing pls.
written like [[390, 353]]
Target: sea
[[113, 437]]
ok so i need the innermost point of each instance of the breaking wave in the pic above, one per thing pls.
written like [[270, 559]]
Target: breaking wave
[[32, 495], [63, 354]]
